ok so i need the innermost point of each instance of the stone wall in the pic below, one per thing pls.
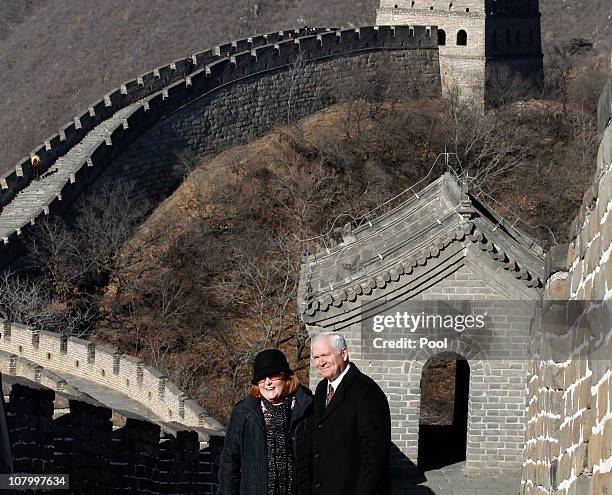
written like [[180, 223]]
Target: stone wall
[[128, 93], [32, 351], [497, 387], [234, 97], [568, 446], [251, 106], [103, 451]]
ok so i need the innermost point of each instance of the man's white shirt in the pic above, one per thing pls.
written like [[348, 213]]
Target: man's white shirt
[[337, 381]]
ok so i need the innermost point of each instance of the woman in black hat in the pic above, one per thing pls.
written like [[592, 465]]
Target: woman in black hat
[[267, 448]]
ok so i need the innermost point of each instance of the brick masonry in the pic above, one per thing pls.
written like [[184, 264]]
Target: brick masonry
[[246, 109], [568, 447], [497, 388], [499, 36], [102, 451]]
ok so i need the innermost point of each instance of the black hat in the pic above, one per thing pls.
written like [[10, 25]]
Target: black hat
[[269, 362]]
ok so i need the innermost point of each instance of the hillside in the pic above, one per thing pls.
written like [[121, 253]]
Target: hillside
[[60, 56], [210, 277]]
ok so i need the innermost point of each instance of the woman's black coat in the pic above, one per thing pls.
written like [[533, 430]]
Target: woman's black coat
[[244, 463]]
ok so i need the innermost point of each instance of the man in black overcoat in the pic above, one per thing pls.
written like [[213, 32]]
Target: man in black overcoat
[[352, 434], [6, 458]]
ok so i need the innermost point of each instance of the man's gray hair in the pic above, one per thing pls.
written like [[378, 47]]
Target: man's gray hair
[[337, 340]]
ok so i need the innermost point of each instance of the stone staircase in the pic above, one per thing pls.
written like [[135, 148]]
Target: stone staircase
[[34, 199]]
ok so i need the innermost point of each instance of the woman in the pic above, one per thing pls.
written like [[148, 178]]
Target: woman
[[267, 448]]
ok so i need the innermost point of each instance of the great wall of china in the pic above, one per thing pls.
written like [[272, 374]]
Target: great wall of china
[[203, 104], [142, 427], [75, 397]]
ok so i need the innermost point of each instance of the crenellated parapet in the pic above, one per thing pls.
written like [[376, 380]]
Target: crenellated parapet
[[60, 363], [126, 94], [195, 104], [102, 450]]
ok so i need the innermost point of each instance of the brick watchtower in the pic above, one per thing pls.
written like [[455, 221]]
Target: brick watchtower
[[478, 39]]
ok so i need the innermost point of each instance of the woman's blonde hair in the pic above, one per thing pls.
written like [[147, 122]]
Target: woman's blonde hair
[[291, 385]]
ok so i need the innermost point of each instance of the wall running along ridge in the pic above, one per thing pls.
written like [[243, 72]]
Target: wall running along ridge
[[39, 355], [128, 93], [568, 446], [228, 101]]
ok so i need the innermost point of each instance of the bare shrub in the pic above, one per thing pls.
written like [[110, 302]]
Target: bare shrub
[[29, 302]]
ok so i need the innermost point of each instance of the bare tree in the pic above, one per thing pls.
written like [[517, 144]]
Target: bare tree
[[29, 302]]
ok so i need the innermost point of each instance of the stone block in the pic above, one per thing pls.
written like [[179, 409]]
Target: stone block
[[580, 459], [595, 449], [602, 399], [600, 484], [592, 224], [583, 485], [564, 469], [554, 319], [606, 441], [594, 253], [606, 234], [557, 289]]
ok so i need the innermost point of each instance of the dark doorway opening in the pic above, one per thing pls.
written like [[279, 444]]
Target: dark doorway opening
[[441, 37], [445, 385]]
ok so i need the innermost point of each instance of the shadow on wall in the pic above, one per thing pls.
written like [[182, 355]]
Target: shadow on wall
[[103, 449], [406, 479]]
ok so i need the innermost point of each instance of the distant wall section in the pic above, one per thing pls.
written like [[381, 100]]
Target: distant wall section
[[251, 106]]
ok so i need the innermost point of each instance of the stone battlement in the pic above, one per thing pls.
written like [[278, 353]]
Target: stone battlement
[[104, 452], [84, 150], [28, 353], [118, 98]]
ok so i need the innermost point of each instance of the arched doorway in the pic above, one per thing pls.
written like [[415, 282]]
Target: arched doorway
[[441, 37], [445, 384], [462, 38]]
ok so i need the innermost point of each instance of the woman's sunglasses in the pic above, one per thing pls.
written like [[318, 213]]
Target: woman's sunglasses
[[276, 376]]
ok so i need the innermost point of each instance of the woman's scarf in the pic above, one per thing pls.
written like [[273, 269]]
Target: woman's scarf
[[278, 441]]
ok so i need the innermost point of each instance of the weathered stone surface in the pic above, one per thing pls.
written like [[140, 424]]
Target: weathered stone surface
[[81, 441], [471, 56]]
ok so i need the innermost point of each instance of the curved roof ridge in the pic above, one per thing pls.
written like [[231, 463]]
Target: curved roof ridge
[[366, 264]]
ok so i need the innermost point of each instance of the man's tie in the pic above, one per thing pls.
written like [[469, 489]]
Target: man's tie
[[330, 394]]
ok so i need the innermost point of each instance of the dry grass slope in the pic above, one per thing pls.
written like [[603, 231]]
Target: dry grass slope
[[58, 57]]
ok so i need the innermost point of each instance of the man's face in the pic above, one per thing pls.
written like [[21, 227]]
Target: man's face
[[326, 361]]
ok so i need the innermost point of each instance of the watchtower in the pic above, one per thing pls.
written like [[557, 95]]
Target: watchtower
[[439, 251], [479, 40]]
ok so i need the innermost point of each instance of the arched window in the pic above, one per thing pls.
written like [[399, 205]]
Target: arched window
[[462, 38], [518, 37], [441, 37], [530, 37], [494, 38], [508, 37]]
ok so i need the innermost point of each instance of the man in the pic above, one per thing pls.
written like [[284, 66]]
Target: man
[[352, 434], [6, 459]]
